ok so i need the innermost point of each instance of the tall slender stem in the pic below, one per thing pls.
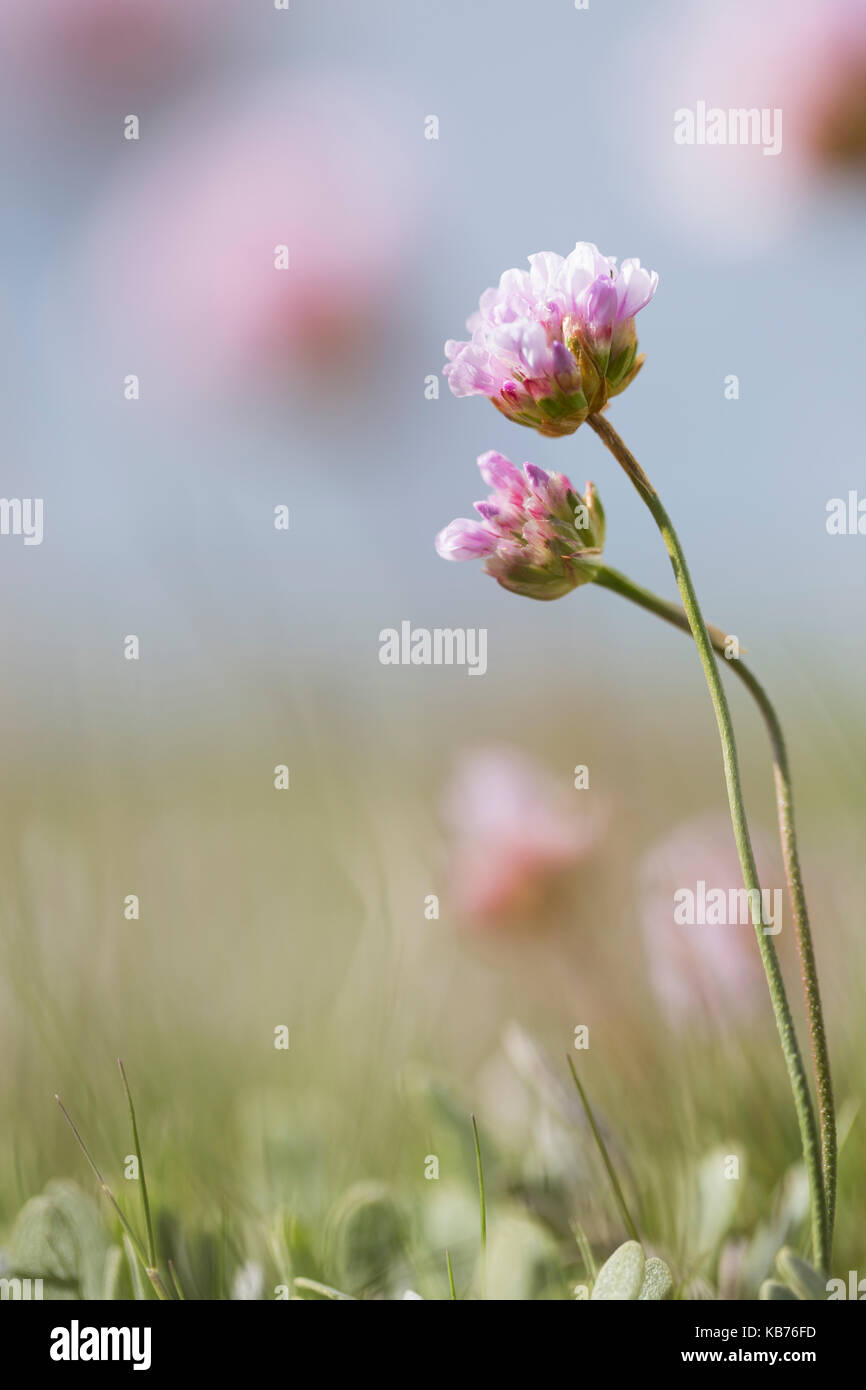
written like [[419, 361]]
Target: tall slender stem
[[776, 985], [673, 613]]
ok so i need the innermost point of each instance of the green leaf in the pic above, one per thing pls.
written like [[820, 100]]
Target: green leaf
[[718, 1194], [522, 1258], [59, 1237], [621, 1276], [368, 1239], [657, 1280], [799, 1275], [772, 1290]]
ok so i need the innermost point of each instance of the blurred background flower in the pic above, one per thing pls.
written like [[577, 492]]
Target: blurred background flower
[[701, 972], [515, 831], [93, 53], [804, 59], [254, 246]]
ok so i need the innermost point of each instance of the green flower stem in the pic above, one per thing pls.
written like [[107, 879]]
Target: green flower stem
[[672, 613], [781, 1008]]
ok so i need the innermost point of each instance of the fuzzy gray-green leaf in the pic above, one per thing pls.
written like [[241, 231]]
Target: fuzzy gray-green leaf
[[802, 1277], [657, 1280], [776, 1292], [621, 1276], [59, 1237]]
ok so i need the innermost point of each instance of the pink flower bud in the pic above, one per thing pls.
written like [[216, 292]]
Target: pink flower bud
[[538, 538]]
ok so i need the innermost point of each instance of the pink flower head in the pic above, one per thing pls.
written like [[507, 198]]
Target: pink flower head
[[513, 832], [536, 535], [554, 343]]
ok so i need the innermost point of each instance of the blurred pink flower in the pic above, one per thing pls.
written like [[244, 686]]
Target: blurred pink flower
[[89, 49], [700, 972], [554, 342], [182, 270], [514, 831], [804, 60]]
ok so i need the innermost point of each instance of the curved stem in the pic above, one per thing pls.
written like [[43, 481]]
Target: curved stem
[[775, 983], [673, 613]]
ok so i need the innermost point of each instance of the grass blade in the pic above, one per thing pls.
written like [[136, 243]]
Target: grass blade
[[134, 1272], [483, 1204], [151, 1272], [586, 1254], [175, 1282], [611, 1171], [151, 1244]]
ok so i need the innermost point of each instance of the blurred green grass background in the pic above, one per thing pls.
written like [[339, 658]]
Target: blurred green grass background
[[306, 909]]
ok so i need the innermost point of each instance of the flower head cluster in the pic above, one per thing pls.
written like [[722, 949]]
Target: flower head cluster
[[536, 535], [552, 344]]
